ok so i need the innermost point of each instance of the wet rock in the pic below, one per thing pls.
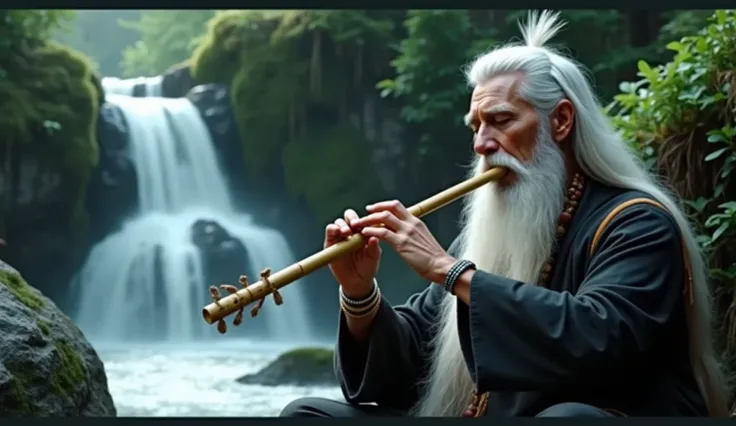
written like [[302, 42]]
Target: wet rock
[[298, 367], [224, 257], [36, 220], [140, 90], [47, 367], [213, 103], [177, 81], [113, 189]]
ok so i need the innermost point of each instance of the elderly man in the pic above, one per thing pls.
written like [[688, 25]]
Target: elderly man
[[574, 289]]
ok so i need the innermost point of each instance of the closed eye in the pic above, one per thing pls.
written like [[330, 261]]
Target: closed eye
[[501, 119]]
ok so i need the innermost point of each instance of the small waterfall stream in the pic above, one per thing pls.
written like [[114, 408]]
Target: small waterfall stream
[[146, 281]]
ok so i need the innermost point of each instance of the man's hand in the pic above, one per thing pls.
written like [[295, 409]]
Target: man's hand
[[354, 271], [409, 236]]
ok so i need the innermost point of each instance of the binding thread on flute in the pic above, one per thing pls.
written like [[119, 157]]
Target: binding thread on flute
[[231, 289]]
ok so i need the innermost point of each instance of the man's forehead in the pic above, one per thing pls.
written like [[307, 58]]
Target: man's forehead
[[497, 95], [503, 88]]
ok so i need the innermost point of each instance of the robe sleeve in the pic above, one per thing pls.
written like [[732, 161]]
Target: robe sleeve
[[525, 337], [387, 367]]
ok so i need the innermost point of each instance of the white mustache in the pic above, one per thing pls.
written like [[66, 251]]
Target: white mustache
[[502, 159]]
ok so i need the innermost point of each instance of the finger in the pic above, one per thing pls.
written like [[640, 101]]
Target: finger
[[351, 216], [344, 228], [384, 218], [393, 206], [382, 234], [332, 234], [372, 248]]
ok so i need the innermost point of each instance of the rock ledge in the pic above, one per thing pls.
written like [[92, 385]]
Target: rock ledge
[[298, 367]]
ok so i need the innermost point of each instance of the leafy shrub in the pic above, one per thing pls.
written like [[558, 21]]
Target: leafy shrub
[[681, 117]]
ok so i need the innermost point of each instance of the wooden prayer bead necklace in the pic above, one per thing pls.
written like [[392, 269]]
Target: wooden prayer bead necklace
[[479, 402]]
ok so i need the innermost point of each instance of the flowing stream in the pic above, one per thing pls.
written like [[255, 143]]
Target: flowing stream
[[197, 380]]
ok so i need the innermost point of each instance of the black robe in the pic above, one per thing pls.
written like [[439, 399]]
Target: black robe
[[609, 331]]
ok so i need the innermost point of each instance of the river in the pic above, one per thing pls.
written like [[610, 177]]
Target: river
[[196, 381]]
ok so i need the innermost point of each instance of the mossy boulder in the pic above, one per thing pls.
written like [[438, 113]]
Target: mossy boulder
[[177, 81], [298, 367], [47, 367], [48, 145]]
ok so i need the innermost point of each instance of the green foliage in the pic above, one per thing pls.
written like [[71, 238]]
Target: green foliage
[[694, 91], [681, 23], [429, 79], [167, 37], [23, 28], [431, 57], [21, 290], [681, 117]]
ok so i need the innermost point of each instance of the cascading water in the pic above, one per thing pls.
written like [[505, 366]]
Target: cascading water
[[146, 280], [116, 86]]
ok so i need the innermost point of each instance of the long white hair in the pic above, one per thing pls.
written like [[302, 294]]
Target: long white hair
[[601, 153]]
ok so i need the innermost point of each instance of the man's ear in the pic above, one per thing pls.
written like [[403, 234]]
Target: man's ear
[[562, 120]]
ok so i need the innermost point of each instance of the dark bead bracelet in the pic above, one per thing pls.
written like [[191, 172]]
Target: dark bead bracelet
[[454, 273]]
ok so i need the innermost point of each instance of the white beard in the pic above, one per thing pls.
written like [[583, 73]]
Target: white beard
[[508, 232]]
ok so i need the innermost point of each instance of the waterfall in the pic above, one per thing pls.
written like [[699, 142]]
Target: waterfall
[[145, 281], [117, 86]]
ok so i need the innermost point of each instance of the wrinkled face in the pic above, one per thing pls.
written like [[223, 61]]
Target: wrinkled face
[[503, 123]]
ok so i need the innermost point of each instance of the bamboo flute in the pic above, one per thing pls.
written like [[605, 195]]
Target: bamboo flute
[[270, 283]]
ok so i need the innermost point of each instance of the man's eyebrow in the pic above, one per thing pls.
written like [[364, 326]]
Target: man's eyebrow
[[468, 119], [495, 109], [500, 108]]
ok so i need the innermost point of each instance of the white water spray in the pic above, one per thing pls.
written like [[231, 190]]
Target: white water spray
[[145, 281]]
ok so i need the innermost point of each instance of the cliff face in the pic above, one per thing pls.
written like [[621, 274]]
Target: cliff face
[[49, 148]]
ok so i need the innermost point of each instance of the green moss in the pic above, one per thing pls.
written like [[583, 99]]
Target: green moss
[[240, 50], [292, 78], [50, 107], [44, 326], [22, 403], [266, 126], [331, 170], [230, 34], [70, 372], [299, 367], [21, 290], [315, 356]]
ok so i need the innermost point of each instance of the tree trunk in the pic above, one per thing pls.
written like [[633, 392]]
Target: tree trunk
[[315, 83]]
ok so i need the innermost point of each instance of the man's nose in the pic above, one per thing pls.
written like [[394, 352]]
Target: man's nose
[[485, 145]]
